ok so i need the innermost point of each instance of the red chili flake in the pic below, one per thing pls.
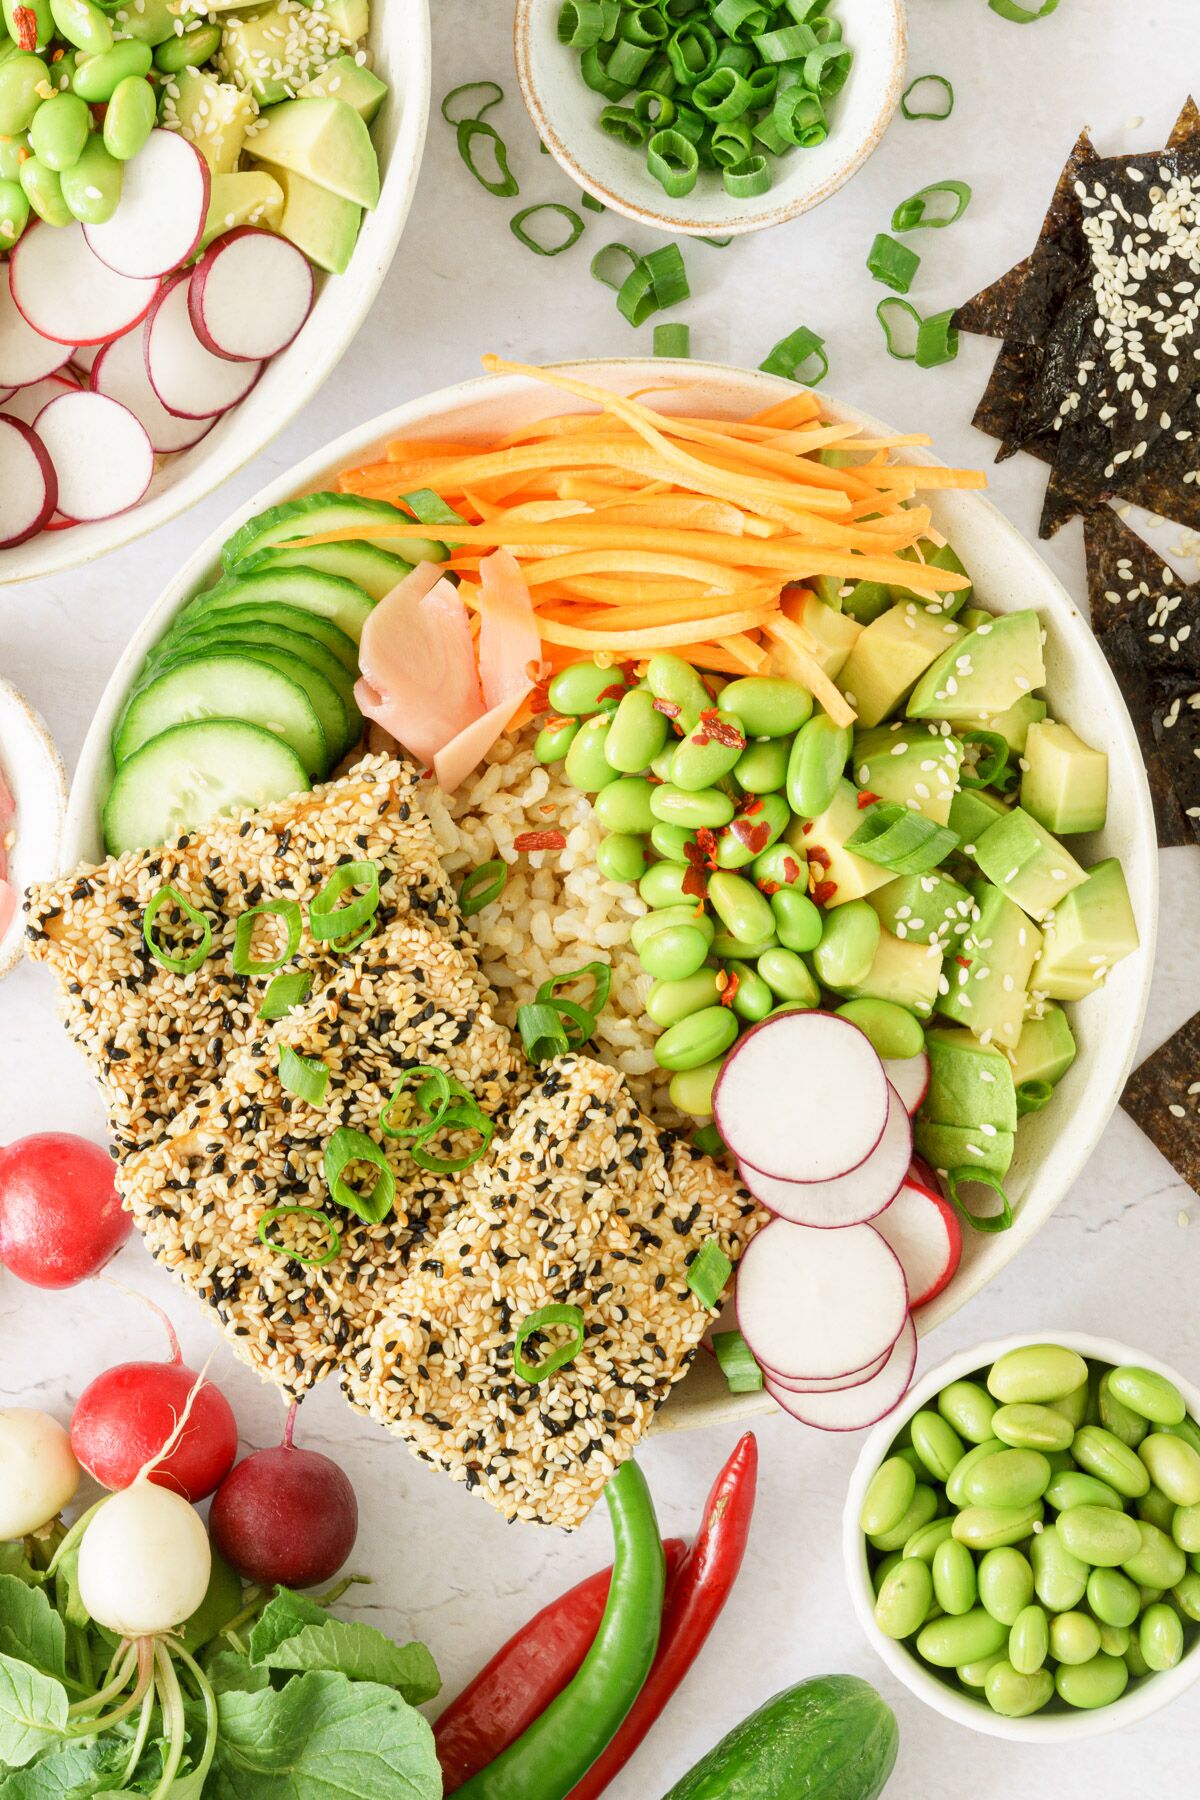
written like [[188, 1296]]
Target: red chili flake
[[729, 991], [791, 869], [427, 774], [824, 891], [706, 844], [556, 723], [668, 708], [753, 838], [25, 21], [806, 827], [695, 883], [866, 798], [57, 55], [539, 699], [616, 690], [821, 857], [964, 962], [748, 804], [715, 730], [630, 671], [768, 887], [540, 840]]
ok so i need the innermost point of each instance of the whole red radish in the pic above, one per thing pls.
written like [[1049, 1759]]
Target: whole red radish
[[285, 1515], [60, 1215], [124, 1417]]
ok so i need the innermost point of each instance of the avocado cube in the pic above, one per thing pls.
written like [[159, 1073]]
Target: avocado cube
[[1013, 725], [1045, 1049], [246, 197], [892, 652], [213, 115], [969, 1083], [326, 142], [987, 977], [983, 1147], [903, 971], [983, 673], [823, 841], [321, 224], [924, 908], [351, 19], [912, 764], [866, 601], [971, 616], [345, 79], [1027, 863], [934, 556], [972, 810], [1091, 928], [273, 53], [1065, 783], [833, 637]]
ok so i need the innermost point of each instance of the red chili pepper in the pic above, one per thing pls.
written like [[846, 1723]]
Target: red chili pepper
[[525, 1675], [540, 840], [824, 891], [729, 991], [694, 1601], [866, 798], [821, 857], [753, 838], [768, 887], [25, 22], [616, 690], [668, 708]]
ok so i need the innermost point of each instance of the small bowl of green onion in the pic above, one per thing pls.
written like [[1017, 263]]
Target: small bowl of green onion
[[711, 117]]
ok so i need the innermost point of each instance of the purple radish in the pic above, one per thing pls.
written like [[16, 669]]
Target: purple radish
[[28, 482], [25, 355], [101, 452], [120, 372], [853, 1409], [818, 1305], [910, 1078], [190, 381], [845, 1199], [250, 294], [164, 204], [797, 1385], [67, 294], [924, 1231]]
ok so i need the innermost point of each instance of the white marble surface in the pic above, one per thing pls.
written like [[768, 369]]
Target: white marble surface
[[1117, 1256]]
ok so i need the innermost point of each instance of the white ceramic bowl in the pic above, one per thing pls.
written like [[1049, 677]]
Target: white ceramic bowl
[[34, 773], [1138, 1702], [566, 114], [399, 40], [1008, 574]]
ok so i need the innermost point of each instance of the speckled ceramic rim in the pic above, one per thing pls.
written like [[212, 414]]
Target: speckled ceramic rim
[[14, 760], [976, 1715], [684, 217]]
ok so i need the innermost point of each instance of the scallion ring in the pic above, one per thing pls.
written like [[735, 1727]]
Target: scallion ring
[[471, 87], [622, 123], [178, 965], [505, 184], [591, 204], [788, 44], [466, 1116], [723, 95], [746, 179], [893, 837], [570, 1317], [798, 117], [575, 227], [1022, 15], [285, 992], [893, 263], [741, 20], [884, 313], [827, 67], [656, 111], [736, 1360], [988, 766], [433, 1096], [328, 920], [601, 265], [708, 1273], [542, 1032], [306, 1077], [481, 886], [1032, 1096], [672, 339], [937, 340], [997, 1221], [692, 52], [581, 23], [598, 973], [913, 214], [911, 112], [312, 1214], [243, 938], [790, 354], [344, 1148], [731, 142], [674, 162], [717, 243], [595, 74], [428, 508]]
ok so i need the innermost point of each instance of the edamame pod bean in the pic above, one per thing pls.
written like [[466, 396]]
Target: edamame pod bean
[[883, 1569], [97, 78], [670, 1001], [671, 679], [1135, 1662], [1059, 1579], [1098, 1536], [674, 953], [956, 1492], [85, 26], [1118, 1418], [892, 1030], [1059, 1460], [1156, 1509], [921, 1508], [709, 752], [1174, 1467], [1005, 1583], [1035, 1372], [1186, 1594], [1101, 1454], [1073, 1407], [637, 734], [1029, 1426], [924, 1542], [768, 706], [621, 856], [936, 1443], [904, 1599], [189, 50], [751, 834], [1158, 1561], [1160, 1636], [744, 912], [969, 1408], [673, 842], [581, 688], [1148, 1394], [555, 739], [662, 883], [1113, 1598], [59, 130], [664, 762], [762, 768], [975, 1674], [1148, 1595], [42, 187], [14, 213], [129, 119], [849, 939], [1092, 1684], [949, 1642], [37, 15], [586, 765], [1188, 1430], [1013, 1478], [679, 806], [786, 868], [954, 1577], [752, 998], [1114, 1639], [988, 1527], [1074, 1637], [788, 977], [1013, 1695], [691, 1089], [11, 156], [798, 923], [1072, 1488], [654, 924], [820, 751], [1185, 1528], [699, 1038], [726, 945], [1029, 1640], [24, 84], [888, 1497], [624, 805], [907, 1454]]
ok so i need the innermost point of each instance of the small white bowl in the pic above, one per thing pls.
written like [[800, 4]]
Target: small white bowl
[[33, 770], [566, 113], [1138, 1702]]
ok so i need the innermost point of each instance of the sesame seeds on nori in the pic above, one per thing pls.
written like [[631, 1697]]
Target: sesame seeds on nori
[[1162, 1097]]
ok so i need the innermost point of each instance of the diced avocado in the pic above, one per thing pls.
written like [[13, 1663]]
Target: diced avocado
[[988, 975], [1027, 863], [1065, 783], [1013, 725], [867, 600], [1091, 929], [912, 764], [326, 142], [321, 224], [969, 1083], [972, 810], [985, 672], [345, 79], [852, 876], [893, 651], [934, 556], [924, 907], [1045, 1049], [971, 616], [272, 53], [834, 636], [247, 197], [351, 19], [903, 971], [211, 114], [982, 1147]]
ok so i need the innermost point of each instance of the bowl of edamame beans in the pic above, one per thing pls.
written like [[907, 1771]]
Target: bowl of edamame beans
[[1022, 1537]]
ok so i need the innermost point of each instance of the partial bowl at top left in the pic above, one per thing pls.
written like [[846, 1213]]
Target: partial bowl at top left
[[396, 50]]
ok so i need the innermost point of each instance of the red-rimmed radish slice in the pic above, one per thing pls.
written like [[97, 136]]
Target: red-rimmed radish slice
[[6, 395], [164, 203], [853, 1409], [120, 372], [189, 380], [924, 1174], [250, 294], [798, 1384], [25, 355], [817, 1305], [924, 1231], [28, 482], [802, 1096], [68, 294], [28, 402], [101, 452], [909, 1076], [845, 1199], [83, 359]]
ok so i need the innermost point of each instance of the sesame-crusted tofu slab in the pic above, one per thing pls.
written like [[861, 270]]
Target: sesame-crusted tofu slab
[[155, 1039], [409, 995], [1162, 1096], [584, 1203]]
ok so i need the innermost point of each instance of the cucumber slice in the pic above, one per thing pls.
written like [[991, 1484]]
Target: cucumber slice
[[332, 713], [234, 620], [375, 571], [223, 687], [186, 776], [328, 596], [328, 512]]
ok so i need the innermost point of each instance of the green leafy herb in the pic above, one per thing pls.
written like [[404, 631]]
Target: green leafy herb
[[350, 1647], [33, 1712]]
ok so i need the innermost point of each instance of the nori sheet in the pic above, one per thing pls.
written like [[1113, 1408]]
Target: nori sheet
[[1162, 1097], [1177, 731]]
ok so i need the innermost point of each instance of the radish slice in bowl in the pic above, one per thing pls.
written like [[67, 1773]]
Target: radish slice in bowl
[[853, 1409], [798, 1384], [164, 203], [25, 355], [190, 381], [28, 482], [120, 372], [28, 402], [68, 294], [250, 294], [843, 1199], [817, 1305], [924, 1231], [910, 1078], [101, 452]]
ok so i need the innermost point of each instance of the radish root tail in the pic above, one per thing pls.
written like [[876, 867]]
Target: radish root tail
[[148, 1468]]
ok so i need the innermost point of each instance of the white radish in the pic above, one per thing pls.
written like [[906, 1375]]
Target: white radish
[[163, 207], [28, 402], [28, 482], [802, 1097], [924, 1231], [25, 355], [67, 294], [844, 1199], [38, 1471], [120, 372], [909, 1076], [250, 293], [101, 453], [818, 1305], [800, 1385], [144, 1561], [190, 381], [853, 1409]]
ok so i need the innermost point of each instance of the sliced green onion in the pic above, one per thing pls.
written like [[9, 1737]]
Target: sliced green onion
[[708, 1273], [709, 1139], [178, 965], [911, 112], [243, 938], [742, 1374], [989, 766], [690, 124], [471, 87], [505, 184], [571, 1317], [312, 1214], [787, 44], [802, 10], [893, 263], [581, 23], [542, 1033], [598, 973], [914, 213], [465, 1117], [740, 20], [894, 837], [306, 1077], [826, 29], [284, 993], [627, 62], [763, 82], [884, 312], [692, 52], [344, 1148], [575, 227], [595, 74], [433, 1097], [622, 123], [717, 243], [669, 275], [672, 339], [798, 118], [731, 142], [738, 57], [674, 162], [327, 920], [591, 204], [792, 352], [1022, 15], [937, 340], [746, 179], [483, 885], [655, 111], [1033, 1095], [601, 268], [827, 67], [644, 27], [429, 508], [723, 95], [999, 1221]]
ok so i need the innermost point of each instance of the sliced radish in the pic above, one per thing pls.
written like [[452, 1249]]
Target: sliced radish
[[120, 372], [25, 355], [250, 293], [28, 402], [815, 1305], [924, 1174], [925, 1232], [101, 452], [802, 1096], [189, 380], [84, 358], [799, 1384], [164, 203], [909, 1076], [68, 294], [853, 1409], [844, 1199], [28, 483]]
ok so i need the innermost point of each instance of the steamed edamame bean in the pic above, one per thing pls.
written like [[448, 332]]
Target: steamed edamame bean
[[744, 912], [921, 1508], [656, 924], [1012, 1478], [85, 26], [892, 1030], [24, 85], [671, 679], [936, 1443], [956, 1492], [11, 157], [1027, 1425], [798, 923], [786, 868], [1035, 1372], [1059, 1579], [1158, 1562], [1150, 1395], [1174, 1467], [189, 50], [675, 805], [1185, 1528], [948, 1642], [698, 1039], [14, 212], [1186, 1595], [1098, 1536], [92, 186], [1073, 1407], [59, 130], [969, 1408], [975, 1674], [1156, 1509], [751, 834], [1114, 1639], [904, 1598], [788, 977], [621, 856], [1015, 1695], [954, 1582], [624, 805], [1188, 1430], [664, 762], [989, 1527], [586, 765], [691, 1089], [888, 1497], [1005, 1583], [36, 13], [925, 1540], [672, 841], [849, 939], [637, 734], [725, 944], [883, 1569], [42, 187], [768, 706], [1029, 1640], [1074, 1637], [709, 752], [97, 79], [582, 688], [1092, 1684], [1099, 1453], [819, 753], [762, 767], [1118, 1418], [1160, 1636], [1072, 1488], [675, 953], [129, 119], [670, 1001], [662, 884], [752, 999], [555, 739], [1113, 1597]]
